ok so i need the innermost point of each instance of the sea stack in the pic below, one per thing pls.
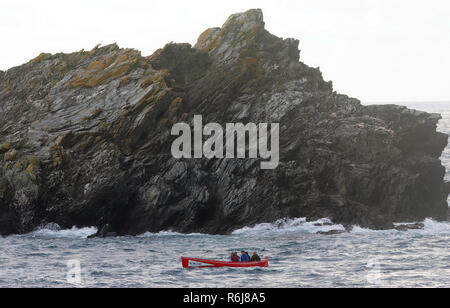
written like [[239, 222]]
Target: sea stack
[[85, 141]]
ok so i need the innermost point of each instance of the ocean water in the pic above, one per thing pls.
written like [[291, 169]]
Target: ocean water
[[299, 257]]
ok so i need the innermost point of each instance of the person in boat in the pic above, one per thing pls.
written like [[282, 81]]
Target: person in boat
[[234, 257], [255, 258], [245, 257]]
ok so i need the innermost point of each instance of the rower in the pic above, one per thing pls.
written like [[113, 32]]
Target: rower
[[255, 258], [244, 256]]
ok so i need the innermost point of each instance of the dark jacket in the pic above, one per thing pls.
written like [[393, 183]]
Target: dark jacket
[[255, 258], [235, 258]]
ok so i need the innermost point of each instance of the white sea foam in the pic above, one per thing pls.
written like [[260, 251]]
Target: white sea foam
[[69, 233], [167, 233], [297, 225], [300, 225], [435, 226], [430, 226]]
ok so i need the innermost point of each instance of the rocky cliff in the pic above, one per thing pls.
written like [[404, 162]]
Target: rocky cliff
[[85, 140]]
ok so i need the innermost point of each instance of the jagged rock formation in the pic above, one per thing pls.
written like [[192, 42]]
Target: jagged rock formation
[[85, 140]]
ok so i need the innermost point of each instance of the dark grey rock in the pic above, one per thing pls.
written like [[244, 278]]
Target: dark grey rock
[[331, 232], [413, 226]]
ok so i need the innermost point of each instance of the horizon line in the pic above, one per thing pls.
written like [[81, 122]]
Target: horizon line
[[405, 101]]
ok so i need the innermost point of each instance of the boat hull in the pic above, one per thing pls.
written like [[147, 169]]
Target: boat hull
[[204, 263]]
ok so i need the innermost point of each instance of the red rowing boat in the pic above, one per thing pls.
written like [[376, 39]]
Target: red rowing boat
[[202, 263]]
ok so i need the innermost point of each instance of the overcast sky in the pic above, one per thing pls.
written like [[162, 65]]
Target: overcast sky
[[374, 50]]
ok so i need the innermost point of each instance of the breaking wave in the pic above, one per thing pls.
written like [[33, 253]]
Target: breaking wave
[[301, 225], [430, 227], [282, 226], [54, 231], [292, 225], [168, 234]]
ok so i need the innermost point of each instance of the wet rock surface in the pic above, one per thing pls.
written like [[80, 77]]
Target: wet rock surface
[[85, 140], [331, 232], [407, 227]]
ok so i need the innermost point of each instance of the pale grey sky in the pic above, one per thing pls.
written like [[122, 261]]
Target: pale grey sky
[[374, 50]]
